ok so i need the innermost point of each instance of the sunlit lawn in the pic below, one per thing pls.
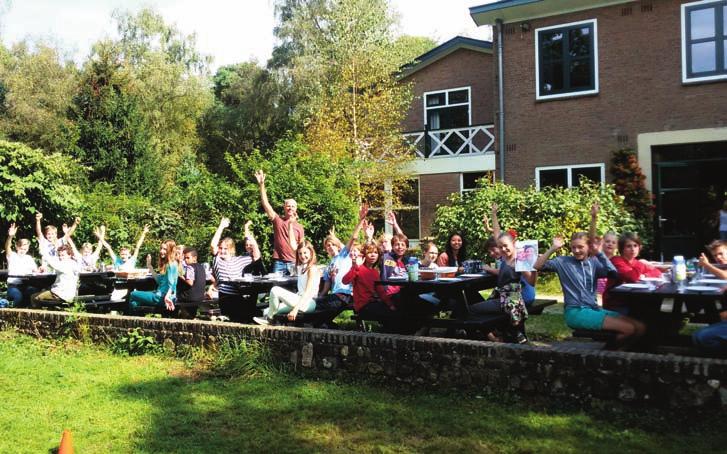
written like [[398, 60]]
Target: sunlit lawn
[[114, 403]]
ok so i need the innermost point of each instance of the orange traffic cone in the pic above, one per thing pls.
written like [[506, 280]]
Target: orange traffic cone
[[66, 446]]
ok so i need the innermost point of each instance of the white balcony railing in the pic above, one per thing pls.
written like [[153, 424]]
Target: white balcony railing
[[442, 143]]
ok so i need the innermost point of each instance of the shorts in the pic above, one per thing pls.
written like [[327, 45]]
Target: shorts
[[587, 318]]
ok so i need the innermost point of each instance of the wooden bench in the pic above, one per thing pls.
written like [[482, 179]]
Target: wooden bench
[[317, 318], [597, 335], [539, 305], [472, 323]]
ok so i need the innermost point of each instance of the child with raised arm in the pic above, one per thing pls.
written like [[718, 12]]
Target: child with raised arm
[[48, 240], [126, 261], [88, 257], [166, 292], [287, 232], [283, 301], [226, 267], [508, 293], [713, 338], [369, 299], [19, 264], [67, 270], [341, 294], [578, 274]]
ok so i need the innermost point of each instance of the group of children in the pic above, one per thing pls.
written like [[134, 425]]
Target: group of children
[[355, 270]]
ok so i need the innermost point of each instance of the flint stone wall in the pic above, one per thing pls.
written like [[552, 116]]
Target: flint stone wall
[[584, 375]]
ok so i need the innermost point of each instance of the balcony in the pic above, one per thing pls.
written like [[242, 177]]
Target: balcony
[[445, 143]]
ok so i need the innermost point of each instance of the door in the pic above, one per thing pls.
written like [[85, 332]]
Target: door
[[687, 193]]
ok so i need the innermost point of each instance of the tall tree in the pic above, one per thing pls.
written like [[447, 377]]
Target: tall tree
[[37, 89], [346, 58]]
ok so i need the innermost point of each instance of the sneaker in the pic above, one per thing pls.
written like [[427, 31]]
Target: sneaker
[[261, 320], [520, 338]]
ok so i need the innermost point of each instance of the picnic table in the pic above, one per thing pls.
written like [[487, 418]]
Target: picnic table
[[454, 293]]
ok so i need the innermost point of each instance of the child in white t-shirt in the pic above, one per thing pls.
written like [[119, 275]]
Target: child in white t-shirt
[[19, 264]]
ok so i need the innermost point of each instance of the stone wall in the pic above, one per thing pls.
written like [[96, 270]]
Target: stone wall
[[584, 375]]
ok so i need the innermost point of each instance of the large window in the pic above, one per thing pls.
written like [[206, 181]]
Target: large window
[[566, 59], [447, 109], [568, 176], [704, 41]]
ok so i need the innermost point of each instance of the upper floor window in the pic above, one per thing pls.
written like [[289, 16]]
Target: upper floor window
[[469, 181], [566, 59], [704, 41], [569, 176], [447, 109]]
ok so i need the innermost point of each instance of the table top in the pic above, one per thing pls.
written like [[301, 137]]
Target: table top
[[671, 290], [459, 281]]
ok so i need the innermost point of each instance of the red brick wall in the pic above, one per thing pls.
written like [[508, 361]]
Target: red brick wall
[[640, 91], [433, 191], [461, 68]]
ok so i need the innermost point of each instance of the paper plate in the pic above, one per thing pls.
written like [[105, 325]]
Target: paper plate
[[471, 275], [703, 288], [637, 286], [712, 281]]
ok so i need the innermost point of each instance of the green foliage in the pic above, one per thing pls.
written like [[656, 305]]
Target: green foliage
[[114, 137], [251, 110], [324, 189], [135, 342], [240, 358], [408, 48], [538, 215], [32, 180], [37, 89], [630, 182]]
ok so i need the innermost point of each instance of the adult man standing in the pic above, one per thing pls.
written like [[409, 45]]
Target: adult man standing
[[287, 232]]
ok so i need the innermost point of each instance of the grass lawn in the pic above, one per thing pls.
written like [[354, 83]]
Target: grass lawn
[[116, 403]]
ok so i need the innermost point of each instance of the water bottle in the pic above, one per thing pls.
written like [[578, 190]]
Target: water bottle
[[412, 269], [679, 269]]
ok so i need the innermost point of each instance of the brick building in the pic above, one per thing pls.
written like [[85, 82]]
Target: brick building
[[583, 78], [450, 123]]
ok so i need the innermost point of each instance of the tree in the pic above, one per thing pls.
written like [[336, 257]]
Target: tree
[[346, 60], [407, 48], [114, 139], [251, 110], [32, 179], [37, 89]]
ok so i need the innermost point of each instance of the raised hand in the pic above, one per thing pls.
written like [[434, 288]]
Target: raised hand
[[12, 230], [260, 177], [224, 222], [65, 228], [363, 211], [494, 207], [146, 229], [148, 261], [368, 230], [595, 208], [486, 223], [557, 242], [332, 231], [77, 220], [38, 216]]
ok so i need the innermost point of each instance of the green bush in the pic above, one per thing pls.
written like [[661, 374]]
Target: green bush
[[32, 180], [533, 214], [324, 189]]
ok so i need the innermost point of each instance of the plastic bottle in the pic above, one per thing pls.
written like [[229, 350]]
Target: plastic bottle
[[412, 269], [679, 269]]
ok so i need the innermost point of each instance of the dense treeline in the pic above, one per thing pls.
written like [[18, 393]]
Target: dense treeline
[[142, 132]]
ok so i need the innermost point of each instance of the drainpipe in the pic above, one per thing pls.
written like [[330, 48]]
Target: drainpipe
[[500, 100]]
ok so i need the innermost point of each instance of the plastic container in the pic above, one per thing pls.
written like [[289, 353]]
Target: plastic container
[[412, 269], [679, 271]]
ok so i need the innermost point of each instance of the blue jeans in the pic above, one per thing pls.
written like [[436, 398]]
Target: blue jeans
[[712, 338], [280, 266], [19, 296]]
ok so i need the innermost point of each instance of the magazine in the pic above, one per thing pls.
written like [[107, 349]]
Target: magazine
[[527, 254]]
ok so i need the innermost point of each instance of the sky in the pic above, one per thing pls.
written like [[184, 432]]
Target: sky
[[231, 31]]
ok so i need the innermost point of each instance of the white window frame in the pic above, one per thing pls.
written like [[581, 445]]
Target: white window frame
[[574, 94], [569, 173], [446, 94], [685, 63], [462, 189]]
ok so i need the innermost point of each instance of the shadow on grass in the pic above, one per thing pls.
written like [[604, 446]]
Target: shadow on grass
[[282, 413]]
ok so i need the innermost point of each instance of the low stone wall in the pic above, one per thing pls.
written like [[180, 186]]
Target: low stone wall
[[646, 379]]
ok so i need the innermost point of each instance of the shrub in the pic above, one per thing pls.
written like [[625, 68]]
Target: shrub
[[533, 214], [630, 182]]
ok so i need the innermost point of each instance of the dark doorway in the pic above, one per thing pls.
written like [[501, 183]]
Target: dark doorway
[[690, 182]]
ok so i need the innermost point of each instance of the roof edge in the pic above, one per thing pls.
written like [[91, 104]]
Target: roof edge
[[443, 50]]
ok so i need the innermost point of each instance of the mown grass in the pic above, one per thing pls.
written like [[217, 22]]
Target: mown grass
[[151, 403]]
